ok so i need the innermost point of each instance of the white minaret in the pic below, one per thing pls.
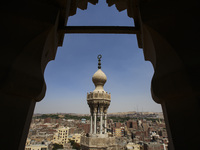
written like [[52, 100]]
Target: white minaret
[[98, 101]]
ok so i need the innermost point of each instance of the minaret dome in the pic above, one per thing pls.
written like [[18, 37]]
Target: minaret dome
[[99, 79]]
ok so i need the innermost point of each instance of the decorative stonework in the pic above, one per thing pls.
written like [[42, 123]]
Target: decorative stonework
[[100, 96], [98, 101], [98, 143]]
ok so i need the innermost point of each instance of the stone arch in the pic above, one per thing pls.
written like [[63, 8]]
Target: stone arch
[[30, 35], [173, 53]]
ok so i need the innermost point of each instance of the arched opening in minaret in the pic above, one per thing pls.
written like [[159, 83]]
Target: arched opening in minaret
[[68, 78]]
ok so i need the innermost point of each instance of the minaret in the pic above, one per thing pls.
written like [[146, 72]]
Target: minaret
[[98, 101]]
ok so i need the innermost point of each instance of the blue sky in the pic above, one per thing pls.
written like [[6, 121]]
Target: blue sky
[[69, 76]]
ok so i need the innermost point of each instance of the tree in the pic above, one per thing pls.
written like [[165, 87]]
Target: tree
[[57, 146], [74, 145]]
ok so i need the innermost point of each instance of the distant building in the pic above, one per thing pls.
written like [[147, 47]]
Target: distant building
[[118, 132], [132, 124], [84, 126], [154, 146], [61, 136], [75, 137], [32, 145], [83, 120], [36, 147], [48, 120], [133, 146], [117, 124], [145, 125]]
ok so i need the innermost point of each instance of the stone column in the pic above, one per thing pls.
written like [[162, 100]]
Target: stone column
[[91, 122], [95, 123], [105, 123], [95, 120], [101, 120]]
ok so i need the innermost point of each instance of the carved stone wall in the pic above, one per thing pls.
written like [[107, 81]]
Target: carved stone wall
[[98, 95], [98, 143]]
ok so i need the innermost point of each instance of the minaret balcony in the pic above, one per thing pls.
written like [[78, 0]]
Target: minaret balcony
[[98, 95]]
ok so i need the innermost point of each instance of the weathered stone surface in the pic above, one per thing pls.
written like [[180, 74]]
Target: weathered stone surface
[[98, 143]]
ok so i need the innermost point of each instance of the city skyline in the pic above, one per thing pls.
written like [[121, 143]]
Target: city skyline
[[69, 76]]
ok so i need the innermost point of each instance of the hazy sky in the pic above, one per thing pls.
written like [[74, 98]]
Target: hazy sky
[[69, 76]]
